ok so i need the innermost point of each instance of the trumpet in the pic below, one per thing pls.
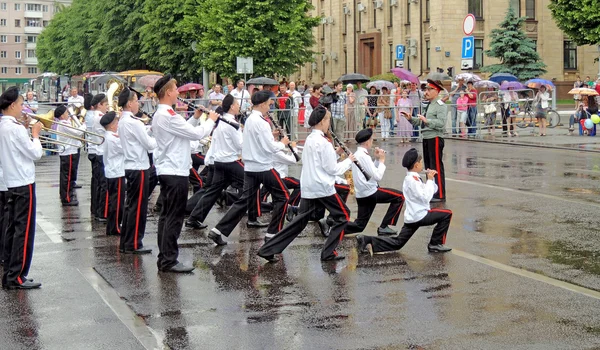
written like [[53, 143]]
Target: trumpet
[[47, 122]]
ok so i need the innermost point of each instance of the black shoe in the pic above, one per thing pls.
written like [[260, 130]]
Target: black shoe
[[386, 231], [324, 227], [77, 186], [256, 223], [138, 251], [440, 248], [269, 258], [70, 204], [334, 258], [195, 224], [363, 245], [437, 200], [179, 268], [216, 237], [99, 219], [291, 212], [25, 285]]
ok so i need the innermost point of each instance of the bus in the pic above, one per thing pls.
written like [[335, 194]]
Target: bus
[[132, 76], [48, 87]]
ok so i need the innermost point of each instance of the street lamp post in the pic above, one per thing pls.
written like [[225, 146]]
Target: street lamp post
[[204, 75], [598, 62]]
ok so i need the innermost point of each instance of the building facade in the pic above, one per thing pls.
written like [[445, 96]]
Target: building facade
[[21, 22], [362, 35]]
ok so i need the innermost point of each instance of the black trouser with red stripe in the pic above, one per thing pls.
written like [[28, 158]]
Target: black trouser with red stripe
[[433, 153], [343, 191], [116, 198], [66, 182], [152, 177], [195, 179], [339, 213], [3, 221], [252, 181], [101, 189], [225, 174], [440, 217], [366, 206], [174, 190], [136, 210], [76, 157], [209, 170], [20, 234], [93, 184], [292, 184]]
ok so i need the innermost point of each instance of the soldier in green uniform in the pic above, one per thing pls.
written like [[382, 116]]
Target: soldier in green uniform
[[432, 128]]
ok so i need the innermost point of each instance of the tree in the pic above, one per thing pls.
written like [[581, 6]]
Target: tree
[[276, 34], [580, 19], [514, 49]]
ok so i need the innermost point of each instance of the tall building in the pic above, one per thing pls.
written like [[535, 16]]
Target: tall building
[[21, 21], [362, 35]]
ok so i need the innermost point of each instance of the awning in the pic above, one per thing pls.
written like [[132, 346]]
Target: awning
[[15, 80]]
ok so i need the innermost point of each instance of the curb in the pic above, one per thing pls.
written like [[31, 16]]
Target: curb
[[522, 144]]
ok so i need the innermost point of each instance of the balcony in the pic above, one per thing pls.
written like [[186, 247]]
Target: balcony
[[31, 61], [30, 46], [33, 30], [34, 14]]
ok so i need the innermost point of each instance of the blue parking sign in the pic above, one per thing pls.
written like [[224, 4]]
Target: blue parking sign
[[400, 52], [468, 48]]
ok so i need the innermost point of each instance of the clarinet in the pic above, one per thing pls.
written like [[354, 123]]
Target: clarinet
[[347, 151], [281, 133], [203, 109]]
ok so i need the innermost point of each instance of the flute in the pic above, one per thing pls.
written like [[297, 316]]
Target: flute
[[203, 109], [281, 133], [347, 151]]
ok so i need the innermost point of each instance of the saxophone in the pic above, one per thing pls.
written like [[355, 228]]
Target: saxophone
[[348, 176]]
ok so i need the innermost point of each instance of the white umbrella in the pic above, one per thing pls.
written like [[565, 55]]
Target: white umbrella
[[380, 84], [468, 77]]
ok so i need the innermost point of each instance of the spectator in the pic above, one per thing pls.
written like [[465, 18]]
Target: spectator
[[307, 106], [351, 109], [297, 101], [371, 104], [385, 113], [455, 94], [216, 97], [490, 110], [241, 95], [541, 103], [462, 107], [30, 103], [405, 128], [472, 110], [284, 104], [338, 110], [578, 84]]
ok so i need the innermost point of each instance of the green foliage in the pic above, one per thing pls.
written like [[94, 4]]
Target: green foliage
[[387, 77], [276, 34], [579, 19], [514, 49]]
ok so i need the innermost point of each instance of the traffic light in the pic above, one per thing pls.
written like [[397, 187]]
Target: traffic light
[[451, 71]]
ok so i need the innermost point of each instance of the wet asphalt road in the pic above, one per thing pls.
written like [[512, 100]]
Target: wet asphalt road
[[530, 213]]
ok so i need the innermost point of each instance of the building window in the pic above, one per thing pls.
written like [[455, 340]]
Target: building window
[[570, 55], [3, 6], [4, 70], [32, 39], [18, 54], [31, 54], [374, 16], [478, 58], [2, 38], [34, 7], [3, 22], [359, 28], [32, 70], [408, 11], [44, 8], [322, 32], [33, 22], [345, 61], [427, 10], [17, 70], [530, 9], [345, 27], [17, 7], [45, 24], [516, 4], [391, 17], [427, 51], [17, 23], [2, 54], [475, 7], [17, 38]]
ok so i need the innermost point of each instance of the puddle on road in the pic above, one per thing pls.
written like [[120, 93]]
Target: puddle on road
[[562, 253]]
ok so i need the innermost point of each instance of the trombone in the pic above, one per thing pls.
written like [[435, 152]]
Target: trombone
[[60, 146], [47, 121]]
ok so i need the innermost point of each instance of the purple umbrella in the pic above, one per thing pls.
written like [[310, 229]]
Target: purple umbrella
[[405, 74], [515, 85]]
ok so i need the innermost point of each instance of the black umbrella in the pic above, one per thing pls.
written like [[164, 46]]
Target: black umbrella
[[262, 81], [353, 78]]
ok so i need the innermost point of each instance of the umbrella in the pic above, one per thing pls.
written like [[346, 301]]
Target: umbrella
[[584, 92], [486, 84], [405, 74], [468, 77], [107, 77], [536, 83], [515, 85], [262, 81], [381, 84], [438, 76], [148, 80], [190, 87], [353, 78], [501, 77]]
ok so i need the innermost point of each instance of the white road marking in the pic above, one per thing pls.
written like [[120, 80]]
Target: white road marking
[[48, 228]]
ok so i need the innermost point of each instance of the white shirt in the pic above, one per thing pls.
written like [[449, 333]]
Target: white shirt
[[215, 96], [77, 101], [307, 109], [209, 158], [64, 126], [226, 141], [173, 135], [375, 169], [417, 196], [17, 153], [2, 183], [297, 98], [543, 98], [282, 161], [259, 145], [113, 156], [320, 167], [135, 141], [98, 129], [243, 98]]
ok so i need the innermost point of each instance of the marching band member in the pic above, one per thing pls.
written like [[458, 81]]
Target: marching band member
[[368, 193], [100, 104], [17, 155], [91, 149], [281, 163], [225, 148], [69, 157], [136, 144], [418, 212], [172, 160], [197, 161], [114, 172], [319, 168], [258, 149], [3, 214]]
